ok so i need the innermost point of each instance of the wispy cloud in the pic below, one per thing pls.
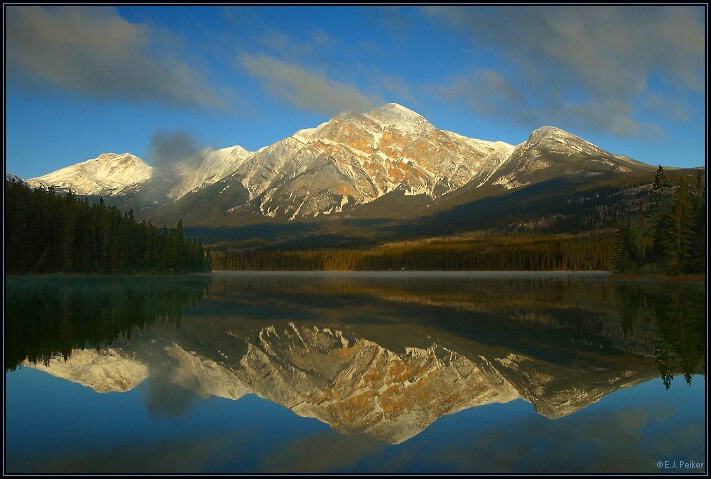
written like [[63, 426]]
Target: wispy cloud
[[307, 89], [489, 93], [485, 91], [566, 61], [282, 45], [93, 51]]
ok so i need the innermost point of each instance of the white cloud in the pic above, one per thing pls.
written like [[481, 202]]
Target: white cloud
[[94, 51]]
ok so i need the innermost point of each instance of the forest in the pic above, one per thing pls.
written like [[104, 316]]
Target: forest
[[525, 252], [669, 236], [46, 232], [49, 232]]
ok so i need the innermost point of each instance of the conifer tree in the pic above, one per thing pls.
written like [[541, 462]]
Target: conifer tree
[[658, 218], [678, 236]]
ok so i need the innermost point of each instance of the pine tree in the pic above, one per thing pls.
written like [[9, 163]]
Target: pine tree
[[658, 218], [697, 258], [678, 237], [626, 252]]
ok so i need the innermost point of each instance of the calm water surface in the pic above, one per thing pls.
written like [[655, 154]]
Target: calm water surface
[[355, 373]]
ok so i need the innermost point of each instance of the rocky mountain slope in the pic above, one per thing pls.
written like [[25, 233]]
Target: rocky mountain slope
[[389, 162]]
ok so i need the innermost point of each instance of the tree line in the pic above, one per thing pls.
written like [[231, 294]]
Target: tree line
[[511, 252], [49, 232], [669, 236]]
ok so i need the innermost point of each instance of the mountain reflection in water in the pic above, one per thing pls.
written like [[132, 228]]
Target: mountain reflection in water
[[383, 354]]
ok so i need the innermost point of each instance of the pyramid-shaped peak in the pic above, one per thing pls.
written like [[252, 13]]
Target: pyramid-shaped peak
[[395, 112], [551, 132]]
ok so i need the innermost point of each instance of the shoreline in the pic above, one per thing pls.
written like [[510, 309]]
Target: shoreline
[[660, 277]]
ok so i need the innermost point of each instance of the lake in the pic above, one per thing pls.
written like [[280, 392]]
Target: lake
[[393, 372]]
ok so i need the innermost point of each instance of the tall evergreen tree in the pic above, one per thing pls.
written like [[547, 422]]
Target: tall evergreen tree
[[678, 237], [626, 255], [658, 217], [698, 257]]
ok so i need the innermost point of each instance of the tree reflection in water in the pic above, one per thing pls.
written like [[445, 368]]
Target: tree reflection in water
[[675, 314], [448, 368], [47, 317], [51, 316]]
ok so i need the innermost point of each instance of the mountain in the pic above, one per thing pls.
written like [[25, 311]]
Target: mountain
[[388, 165], [108, 174], [124, 175], [349, 161], [170, 182], [551, 152]]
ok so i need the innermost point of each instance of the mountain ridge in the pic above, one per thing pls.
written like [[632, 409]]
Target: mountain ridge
[[388, 163]]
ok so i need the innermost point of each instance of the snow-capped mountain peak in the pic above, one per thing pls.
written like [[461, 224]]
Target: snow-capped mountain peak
[[393, 112], [551, 133], [356, 158], [112, 174], [398, 117], [109, 173], [546, 131]]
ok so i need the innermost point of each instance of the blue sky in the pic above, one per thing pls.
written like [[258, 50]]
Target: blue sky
[[85, 80]]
